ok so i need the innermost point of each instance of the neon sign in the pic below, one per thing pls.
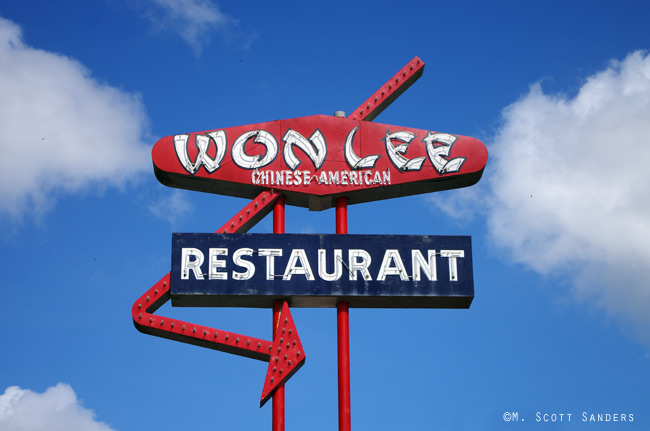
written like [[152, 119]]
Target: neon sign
[[313, 159]]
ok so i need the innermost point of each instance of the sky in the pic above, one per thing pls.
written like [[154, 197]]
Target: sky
[[560, 222]]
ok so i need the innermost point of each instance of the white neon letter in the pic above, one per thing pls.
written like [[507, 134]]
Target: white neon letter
[[322, 265], [292, 267], [453, 266], [395, 152], [194, 265], [245, 161], [315, 148], [386, 268], [354, 161], [438, 154], [418, 263], [249, 266], [215, 264], [359, 260], [202, 143], [270, 254]]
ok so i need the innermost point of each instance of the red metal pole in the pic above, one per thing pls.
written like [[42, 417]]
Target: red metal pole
[[341, 215], [343, 332], [278, 398], [278, 215], [277, 421]]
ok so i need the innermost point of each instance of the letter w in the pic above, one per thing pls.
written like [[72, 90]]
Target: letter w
[[202, 143]]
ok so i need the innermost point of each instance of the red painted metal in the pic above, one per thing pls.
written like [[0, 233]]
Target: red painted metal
[[277, 419], [342, 215], [278, 215], [343, 332], [343, 344], [356, 159], [252, 213], [287, 356], [368, 111], [390, 91], [147, 322]]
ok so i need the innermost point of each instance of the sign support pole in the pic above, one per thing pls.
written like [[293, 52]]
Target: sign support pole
[[343, 331], [368, 111], [277, 421]]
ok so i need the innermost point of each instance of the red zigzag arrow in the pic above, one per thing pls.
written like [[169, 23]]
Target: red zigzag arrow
[[284, 355]]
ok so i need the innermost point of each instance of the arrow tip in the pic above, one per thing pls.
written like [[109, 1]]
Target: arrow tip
[[287, 355]]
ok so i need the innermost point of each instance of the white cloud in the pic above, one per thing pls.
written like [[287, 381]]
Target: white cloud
[[172, 207], [60, 129], [569, 182], [55, 409], [195, 21]]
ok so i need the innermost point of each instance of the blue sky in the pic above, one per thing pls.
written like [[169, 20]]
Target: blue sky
[[558, 91]]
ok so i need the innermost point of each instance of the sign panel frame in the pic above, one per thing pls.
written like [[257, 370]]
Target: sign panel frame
[[320, 270]]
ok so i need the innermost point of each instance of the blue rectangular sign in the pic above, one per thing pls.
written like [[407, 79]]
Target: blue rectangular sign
[[376, 271]]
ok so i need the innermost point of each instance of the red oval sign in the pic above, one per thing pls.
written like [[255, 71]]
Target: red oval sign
[[315, 159]]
